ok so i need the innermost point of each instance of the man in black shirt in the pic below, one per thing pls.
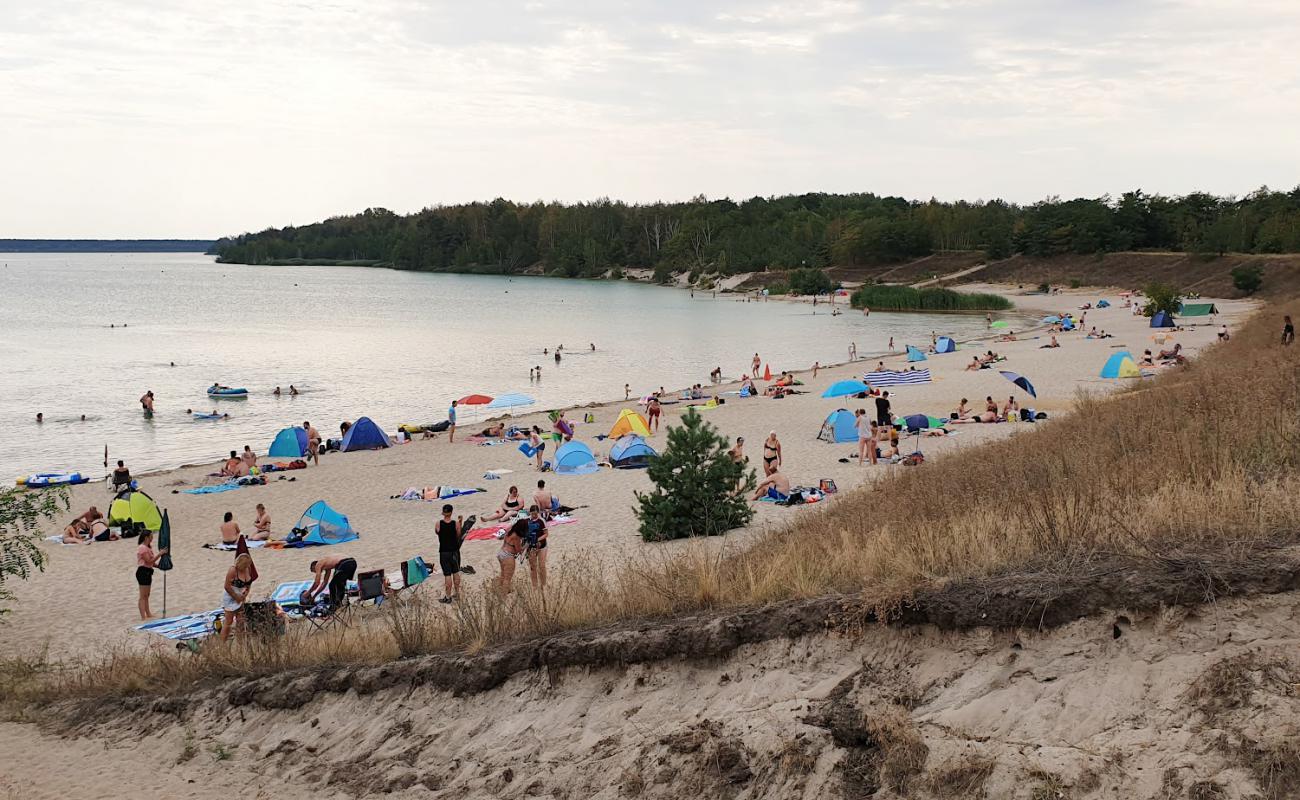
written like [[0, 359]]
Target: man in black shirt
[[883, 417], [450, 535]]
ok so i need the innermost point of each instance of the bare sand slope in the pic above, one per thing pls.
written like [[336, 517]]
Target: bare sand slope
[[1179, 702], [85, 601]]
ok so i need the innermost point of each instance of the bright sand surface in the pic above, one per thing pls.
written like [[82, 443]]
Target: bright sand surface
[[86, 598]]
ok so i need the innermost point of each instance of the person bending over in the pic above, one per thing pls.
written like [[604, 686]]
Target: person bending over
[[333, 572]]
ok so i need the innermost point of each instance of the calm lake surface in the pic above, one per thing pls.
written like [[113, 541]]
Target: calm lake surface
[[394, 346]]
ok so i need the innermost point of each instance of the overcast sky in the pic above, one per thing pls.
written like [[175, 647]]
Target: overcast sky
[[143, 118]]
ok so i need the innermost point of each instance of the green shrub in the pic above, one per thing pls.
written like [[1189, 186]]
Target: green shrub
[[809, 281], [699, 490], [1248, 279], [1161, 297], [905, 298], [1074, 283]]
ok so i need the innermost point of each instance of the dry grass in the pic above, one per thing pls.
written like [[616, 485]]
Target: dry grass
[[1201, 457]]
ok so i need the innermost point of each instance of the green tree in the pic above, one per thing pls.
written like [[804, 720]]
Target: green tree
[[809, 281], [21, 513], [1161, 297], [1247, 279], [699, 490]]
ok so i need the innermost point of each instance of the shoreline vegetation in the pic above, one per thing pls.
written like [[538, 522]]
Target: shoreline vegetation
[[1109, 480], [880, 297], [725, 237]]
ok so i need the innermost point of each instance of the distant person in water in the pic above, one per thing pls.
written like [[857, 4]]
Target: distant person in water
[[593, 347], [557, 356], [293, 391], [539, 372], [39, 417], [276, 393], [146, 401], [627, 391]]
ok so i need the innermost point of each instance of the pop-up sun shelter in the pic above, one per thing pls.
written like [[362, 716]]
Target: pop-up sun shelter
[[324, 525], [945, 344], [914, 354], [631, 452], [1162, 319], [1121, 365], [289, 443], [1198, 309], [629, 422], [840, 426], [134, 507], [363, 435], [574, 458]]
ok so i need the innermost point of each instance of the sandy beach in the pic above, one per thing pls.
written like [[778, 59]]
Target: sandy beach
[[84, 602]]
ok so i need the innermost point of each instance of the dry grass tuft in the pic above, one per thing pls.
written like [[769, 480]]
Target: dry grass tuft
[[962, 778], [1201, 458]]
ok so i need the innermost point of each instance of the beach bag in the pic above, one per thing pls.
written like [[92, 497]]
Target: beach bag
[[827, 486], [1041, 415], [914, 460]]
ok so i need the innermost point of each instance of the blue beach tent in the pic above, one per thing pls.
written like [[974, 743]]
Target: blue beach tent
[[1162, 319], [631, 452], [914, 354], [840, 426], [1067, 324], [289, 443], [1103, 304], [1121, 365], [364, 435], [324, 525], [574, 458], [945, 345]]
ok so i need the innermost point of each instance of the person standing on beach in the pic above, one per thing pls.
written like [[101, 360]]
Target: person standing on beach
[[771, 453], [653, 411], [450, 536], [512, 546], [816, 366], [536, 539], [883, 415], [537, 445], [755, 364], [627, 391], [235, 592], [866, 436], [1288, 330], [313, 442], [145, 561], [451, 417]]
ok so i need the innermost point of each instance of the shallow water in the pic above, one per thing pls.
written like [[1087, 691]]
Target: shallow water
[[395, 346]]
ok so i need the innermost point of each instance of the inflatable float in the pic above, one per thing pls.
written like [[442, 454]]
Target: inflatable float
[[42, 479], [206, 416], [226, 391]]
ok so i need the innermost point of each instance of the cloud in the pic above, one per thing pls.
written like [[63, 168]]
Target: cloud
[[147, 117]]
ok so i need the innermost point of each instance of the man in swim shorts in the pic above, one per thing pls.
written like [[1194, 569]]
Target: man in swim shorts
[[313, 442], [543, 499], [334, 572], [451, 418]]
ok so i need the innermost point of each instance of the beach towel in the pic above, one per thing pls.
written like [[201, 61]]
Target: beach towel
[[235, 546], [183, 627], [497, 529], [431, 493], [896, 378], [217, 489]]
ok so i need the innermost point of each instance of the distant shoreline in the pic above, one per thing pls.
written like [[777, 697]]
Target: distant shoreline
[[54, 246]]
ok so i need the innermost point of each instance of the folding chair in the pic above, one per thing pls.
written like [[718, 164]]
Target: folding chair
[[415, 571], [371, 586]]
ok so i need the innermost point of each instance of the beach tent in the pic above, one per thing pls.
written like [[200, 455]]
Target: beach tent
[[289, 443], [840, 426], [574, 458], [1121, 365], [363, 435], [846, 388], [1198, 309], [629, 422], [999, 323], [131, 507], [914, 354], [1067, 324], [1162, 319], [1051, 319], [1103, 304], [324, 525], [945, 345], [631, 452]]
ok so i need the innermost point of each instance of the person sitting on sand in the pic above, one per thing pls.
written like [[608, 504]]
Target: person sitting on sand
[[775, 481], [1009, 336], [1172, 355], [1147, 360], [963, 410], [229, 529], [249, 457], [496, 431], [261, 525], [1050, 344], [974, 364], [747, 386], [235, 592], [1010, 409], [508, 508], [543, 499], [234, 466]]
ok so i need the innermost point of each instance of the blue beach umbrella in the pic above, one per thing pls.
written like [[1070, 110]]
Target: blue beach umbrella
[[914, 422], [1052, 320], [1020, 381], [510, 401], [846, 388]]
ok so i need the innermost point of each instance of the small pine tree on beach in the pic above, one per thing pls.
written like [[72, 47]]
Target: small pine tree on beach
[[699, 490]]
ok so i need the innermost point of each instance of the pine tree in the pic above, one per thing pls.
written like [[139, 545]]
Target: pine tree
[[699, 490]]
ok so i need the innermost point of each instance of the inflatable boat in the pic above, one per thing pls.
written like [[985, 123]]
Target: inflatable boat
[[41, 479], [226, 391]]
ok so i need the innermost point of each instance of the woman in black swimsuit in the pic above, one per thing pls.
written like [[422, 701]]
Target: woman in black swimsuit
[[508, 508], [235, 592], [771, 454]]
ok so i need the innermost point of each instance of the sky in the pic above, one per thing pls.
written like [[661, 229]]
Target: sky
[[166, 118]]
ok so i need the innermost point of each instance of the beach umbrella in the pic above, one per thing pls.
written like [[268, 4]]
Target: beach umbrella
[[475, 400], [165, 561], [1020, 381], [914, 422], [511, 401], [1001, 323], [846, 388], [1052, 320]]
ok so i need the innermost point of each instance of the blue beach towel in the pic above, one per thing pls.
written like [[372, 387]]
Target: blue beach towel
[[218, 489]]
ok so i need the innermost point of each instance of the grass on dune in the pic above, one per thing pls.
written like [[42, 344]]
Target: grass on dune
[[883, 297], [1204, 456]]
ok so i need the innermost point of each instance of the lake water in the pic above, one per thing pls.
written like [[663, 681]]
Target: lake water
[[395, 346]]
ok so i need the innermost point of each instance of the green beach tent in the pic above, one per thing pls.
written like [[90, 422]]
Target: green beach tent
[[1198, 309]]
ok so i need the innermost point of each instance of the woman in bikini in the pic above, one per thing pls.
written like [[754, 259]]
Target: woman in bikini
[[261, 525], [771, 454], [237, 588], [537, 445], [512, 546], [508, 508]]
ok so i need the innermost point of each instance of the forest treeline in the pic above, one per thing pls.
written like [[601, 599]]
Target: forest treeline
[[814, 230]]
